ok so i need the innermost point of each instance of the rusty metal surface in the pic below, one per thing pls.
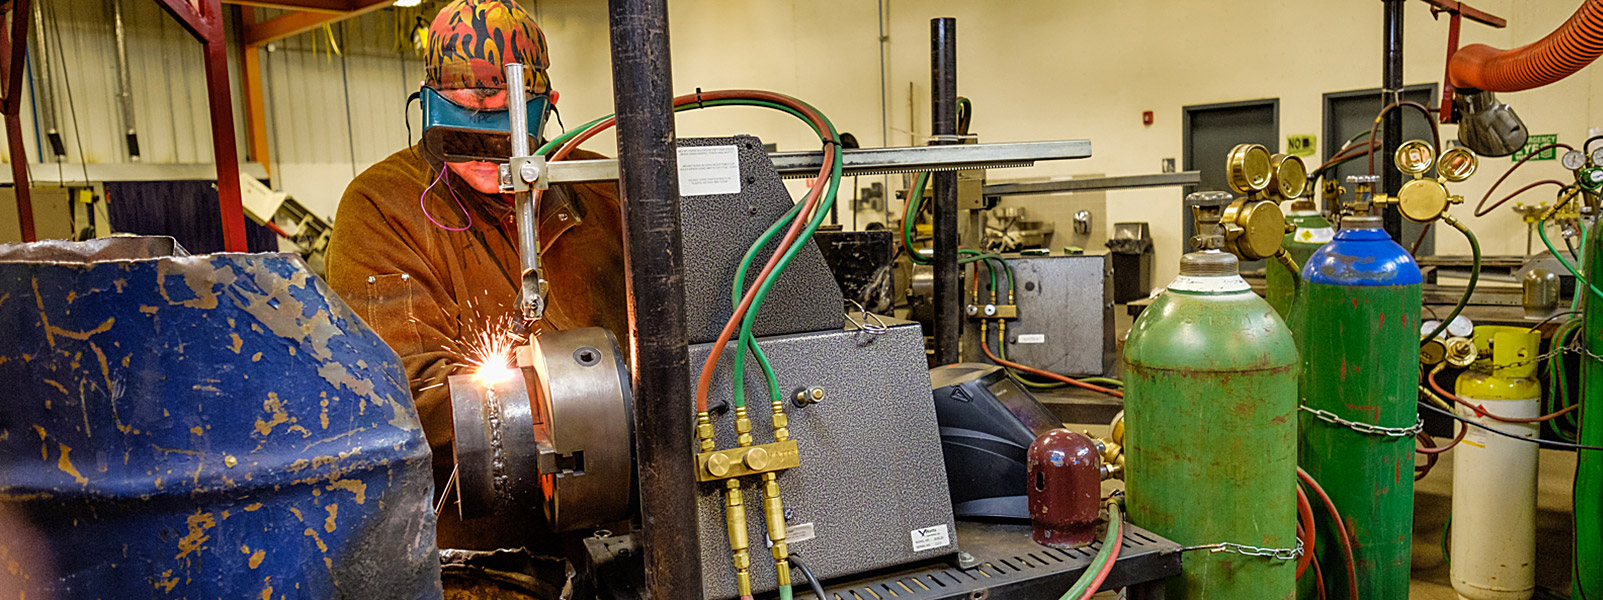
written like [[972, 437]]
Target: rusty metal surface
[[1065, 489], [99, 249], [207, 426]]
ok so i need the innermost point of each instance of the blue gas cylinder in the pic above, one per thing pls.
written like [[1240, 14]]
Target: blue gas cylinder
[[1356, 322], [217, 426]]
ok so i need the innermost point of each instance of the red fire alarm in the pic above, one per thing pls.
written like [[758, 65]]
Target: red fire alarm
[[1146, 118]]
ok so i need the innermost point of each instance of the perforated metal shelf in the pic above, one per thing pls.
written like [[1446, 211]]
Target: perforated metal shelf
[[1006, 564]]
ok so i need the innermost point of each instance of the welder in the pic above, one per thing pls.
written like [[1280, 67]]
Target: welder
[[426, 244]]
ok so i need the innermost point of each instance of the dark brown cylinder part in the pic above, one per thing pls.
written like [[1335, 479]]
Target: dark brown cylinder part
[[1065, 488]]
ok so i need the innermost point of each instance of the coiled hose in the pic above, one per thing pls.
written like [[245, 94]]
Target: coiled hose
[[1568, 49]]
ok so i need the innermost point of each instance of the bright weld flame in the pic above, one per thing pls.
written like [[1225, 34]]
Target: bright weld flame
[[490, 352]]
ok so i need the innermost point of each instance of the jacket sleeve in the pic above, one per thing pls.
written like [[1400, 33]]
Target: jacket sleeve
[[379, 267]]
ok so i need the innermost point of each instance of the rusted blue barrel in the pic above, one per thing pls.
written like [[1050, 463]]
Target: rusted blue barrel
[[217, 426]]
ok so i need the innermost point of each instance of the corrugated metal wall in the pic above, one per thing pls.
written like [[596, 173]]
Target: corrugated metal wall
[[321, 107], [169, 85], [345, 108]]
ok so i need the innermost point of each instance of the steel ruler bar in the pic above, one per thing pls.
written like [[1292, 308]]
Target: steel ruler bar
[[871, 161], [1092, 184]]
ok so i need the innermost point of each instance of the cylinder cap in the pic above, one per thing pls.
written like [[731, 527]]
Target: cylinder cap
[[1362, 222], [1209, 264]]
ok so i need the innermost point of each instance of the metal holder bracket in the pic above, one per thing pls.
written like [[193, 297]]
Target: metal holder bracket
[[747, 460]]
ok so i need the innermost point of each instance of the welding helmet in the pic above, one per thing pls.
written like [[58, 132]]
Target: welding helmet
[[469, 44]]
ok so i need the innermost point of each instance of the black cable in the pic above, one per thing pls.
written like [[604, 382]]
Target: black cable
[[812, 580], [1587, 147], [72, 106], [1538, 441], [1556, 315]]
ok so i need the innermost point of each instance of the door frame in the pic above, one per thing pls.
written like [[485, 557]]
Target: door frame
[[1185, 124]]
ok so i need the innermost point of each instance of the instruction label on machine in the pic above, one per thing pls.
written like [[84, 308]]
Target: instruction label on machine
[[1031, 338], [930, 538], [799, 532], [709, 170]]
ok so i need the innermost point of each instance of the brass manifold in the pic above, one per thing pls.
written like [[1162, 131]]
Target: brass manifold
[[765, 460]]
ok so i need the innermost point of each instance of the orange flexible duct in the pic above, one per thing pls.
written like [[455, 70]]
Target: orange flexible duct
[[1568, 49]]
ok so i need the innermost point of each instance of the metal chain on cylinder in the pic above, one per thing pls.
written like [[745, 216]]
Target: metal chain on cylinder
[[1574, 347], [1246, 550], [1366, 428]]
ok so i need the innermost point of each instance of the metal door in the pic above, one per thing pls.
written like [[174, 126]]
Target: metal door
[[1210, 131]]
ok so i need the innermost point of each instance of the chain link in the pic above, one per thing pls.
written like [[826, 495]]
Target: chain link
[[1366, 428], [1574, 347], [1245, 550]]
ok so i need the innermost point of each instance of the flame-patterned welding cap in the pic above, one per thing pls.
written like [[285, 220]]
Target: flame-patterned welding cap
[[471, 40]]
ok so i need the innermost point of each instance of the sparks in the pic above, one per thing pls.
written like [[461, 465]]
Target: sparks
[[490, 352]]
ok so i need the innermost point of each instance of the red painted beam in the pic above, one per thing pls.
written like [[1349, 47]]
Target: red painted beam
[[13, 50], [1469, 12], [190, 15]]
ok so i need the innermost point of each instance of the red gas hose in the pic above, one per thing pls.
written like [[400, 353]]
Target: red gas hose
[[1568, 49]]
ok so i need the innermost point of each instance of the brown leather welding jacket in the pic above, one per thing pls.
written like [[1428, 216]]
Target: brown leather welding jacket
[[426, 289]]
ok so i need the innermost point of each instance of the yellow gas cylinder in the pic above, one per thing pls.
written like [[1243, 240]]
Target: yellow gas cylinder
[[1494, 477]]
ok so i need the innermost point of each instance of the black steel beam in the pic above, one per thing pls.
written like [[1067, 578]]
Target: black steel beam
[[943, 109], [1391, 87], [642, 83]]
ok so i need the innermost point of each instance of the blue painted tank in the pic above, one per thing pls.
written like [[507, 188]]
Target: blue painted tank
[[217, 426], [1357, 326]]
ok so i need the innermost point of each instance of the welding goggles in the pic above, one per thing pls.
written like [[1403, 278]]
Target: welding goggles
[[454, 133]]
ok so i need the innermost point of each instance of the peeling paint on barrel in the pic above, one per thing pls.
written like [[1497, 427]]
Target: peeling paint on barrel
[[168, 426]]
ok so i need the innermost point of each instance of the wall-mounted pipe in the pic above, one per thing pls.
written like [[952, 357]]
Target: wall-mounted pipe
[[125, 86], [1568, 49], [44, 86]]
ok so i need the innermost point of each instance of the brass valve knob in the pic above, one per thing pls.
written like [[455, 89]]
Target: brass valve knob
[[1253, 229]]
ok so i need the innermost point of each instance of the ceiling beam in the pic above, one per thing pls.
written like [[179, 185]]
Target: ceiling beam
[[323, 6], [303, 21], [188, 15]]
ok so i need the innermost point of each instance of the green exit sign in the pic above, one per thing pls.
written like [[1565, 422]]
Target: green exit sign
[[1537, 141]]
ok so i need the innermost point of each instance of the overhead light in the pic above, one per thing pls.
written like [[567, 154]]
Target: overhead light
[[406, 3], [1487, 126]]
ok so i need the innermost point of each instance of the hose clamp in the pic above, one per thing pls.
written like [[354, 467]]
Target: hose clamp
[[1366, 428]]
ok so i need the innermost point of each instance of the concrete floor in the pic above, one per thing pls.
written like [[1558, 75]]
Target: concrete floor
[[1433, 503]]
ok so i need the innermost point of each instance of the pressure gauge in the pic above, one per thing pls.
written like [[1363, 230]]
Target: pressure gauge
[[1290, 176], [1458, 164], [1573, 160], [1592, 177], [1428, 326], [1414, 157], [1248, 168], [1597, 156], [1460, 326]]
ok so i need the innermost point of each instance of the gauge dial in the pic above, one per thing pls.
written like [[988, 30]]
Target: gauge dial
[[1594, 176], [1597, 156], [1414, 157], [1573, 160], [1460, 326], [1457, 164]]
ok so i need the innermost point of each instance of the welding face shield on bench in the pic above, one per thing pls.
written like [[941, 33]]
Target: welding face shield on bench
[[453, 133]]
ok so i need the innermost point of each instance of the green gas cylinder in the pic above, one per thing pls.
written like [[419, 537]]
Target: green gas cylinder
[[1357, 326], [1211, 432], [1312, 231]]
